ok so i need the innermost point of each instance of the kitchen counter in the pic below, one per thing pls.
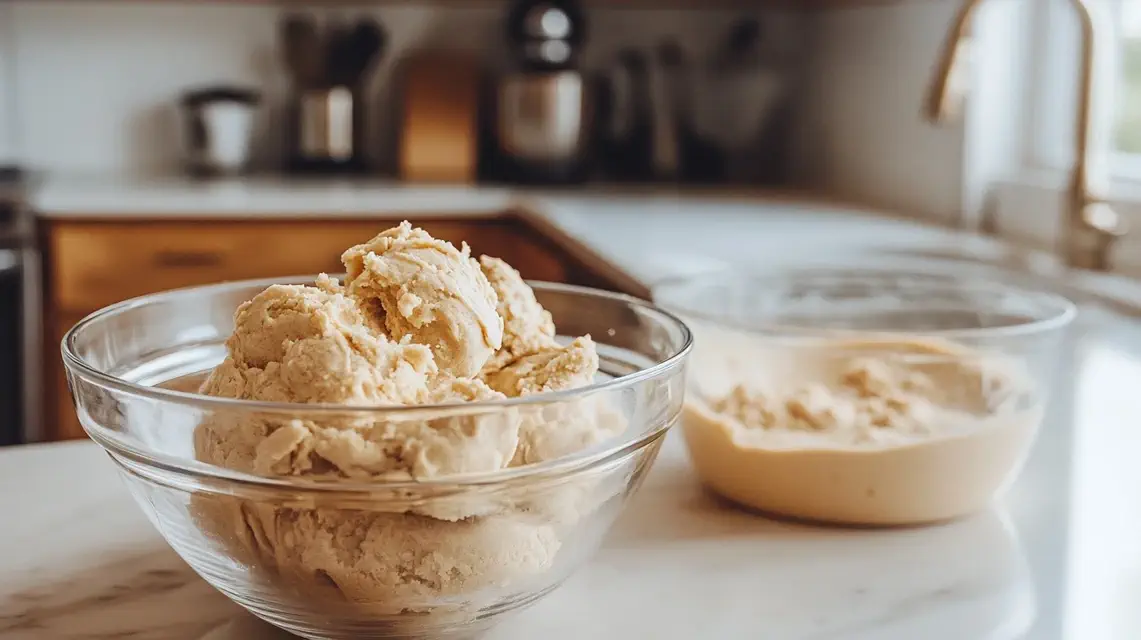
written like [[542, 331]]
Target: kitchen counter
[[1057, 559], [647, 232]]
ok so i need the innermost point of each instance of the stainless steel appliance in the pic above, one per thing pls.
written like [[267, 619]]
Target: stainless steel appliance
[[543, 105], [219, 129], [325, 130], [327, 112], [20, 341]]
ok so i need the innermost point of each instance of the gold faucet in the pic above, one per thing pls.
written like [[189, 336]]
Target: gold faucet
[[1091, 226]]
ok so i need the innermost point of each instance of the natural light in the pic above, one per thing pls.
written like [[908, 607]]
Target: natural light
[[1100, 580], [1127, 137], [1119, 61]]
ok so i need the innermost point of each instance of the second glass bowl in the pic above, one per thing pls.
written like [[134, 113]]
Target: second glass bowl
[[988, 340]]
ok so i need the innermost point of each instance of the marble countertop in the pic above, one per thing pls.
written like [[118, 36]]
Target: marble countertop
[[1056, 559], [648, 232], [80, 196]]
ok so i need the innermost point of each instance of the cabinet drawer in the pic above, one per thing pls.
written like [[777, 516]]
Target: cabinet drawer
[[95, 264]]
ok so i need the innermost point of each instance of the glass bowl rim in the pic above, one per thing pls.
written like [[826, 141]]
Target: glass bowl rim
[[1063, 311], [151, 461], [77, 365]]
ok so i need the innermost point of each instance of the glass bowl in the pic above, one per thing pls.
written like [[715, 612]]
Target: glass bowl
[[864, 396], [373, 558]]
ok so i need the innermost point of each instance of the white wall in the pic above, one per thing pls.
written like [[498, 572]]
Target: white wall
[[7, 88], [864, 136], [95, 81], [91, 84]]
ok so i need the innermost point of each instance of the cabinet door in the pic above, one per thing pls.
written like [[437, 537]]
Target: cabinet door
[[95, 264]]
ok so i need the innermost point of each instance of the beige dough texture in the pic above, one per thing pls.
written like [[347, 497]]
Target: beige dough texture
[[322, 350], [429, 291], [390, 562], [527, 326], [873, 433], [417, 322]]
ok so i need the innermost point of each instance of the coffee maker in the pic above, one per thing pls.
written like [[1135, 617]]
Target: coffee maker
[[542, 108]]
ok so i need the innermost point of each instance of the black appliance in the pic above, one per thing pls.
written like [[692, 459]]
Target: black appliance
[[19, 313]]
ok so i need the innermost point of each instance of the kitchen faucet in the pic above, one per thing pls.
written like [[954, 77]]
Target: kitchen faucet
[[1090, 227]]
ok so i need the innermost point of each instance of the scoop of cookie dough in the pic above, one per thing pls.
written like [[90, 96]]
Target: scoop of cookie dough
[[560, 427], [429, 291], [314, 345], [554, 368], [294, 343], [527, 326]]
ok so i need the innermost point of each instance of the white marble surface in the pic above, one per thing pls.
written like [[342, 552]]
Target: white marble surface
[[679, 565], [1056, 560], [102, 197]]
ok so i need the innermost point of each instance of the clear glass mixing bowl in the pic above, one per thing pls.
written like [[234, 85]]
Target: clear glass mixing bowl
[[986, 341], [369, 558]]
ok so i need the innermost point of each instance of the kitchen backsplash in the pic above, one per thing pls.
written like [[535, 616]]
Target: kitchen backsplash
[[92, 86]]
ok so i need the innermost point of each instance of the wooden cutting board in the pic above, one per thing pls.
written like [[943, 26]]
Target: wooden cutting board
[[439, 122]]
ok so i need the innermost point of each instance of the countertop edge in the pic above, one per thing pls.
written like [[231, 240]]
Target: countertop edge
[[566, 214]]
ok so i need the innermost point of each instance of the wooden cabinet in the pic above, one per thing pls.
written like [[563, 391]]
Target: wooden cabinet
[[93, 264], [90, 264]]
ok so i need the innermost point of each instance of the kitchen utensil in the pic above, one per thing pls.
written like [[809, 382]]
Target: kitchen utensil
[[219, 129], [439, 118], [338, 55], [367, 41], [698, 160], [304, 52], [739, 47], [544, 520], [628, 134], [667, 151]]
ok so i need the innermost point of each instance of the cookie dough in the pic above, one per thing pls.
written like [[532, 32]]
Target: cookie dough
[[427, 290], [527, 326], [391, 562], [313, 345], [875, 433], [417, 322], [562, 427]]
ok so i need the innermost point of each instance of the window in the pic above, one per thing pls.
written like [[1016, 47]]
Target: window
[[1056, 52], [1024, 196], [1127, 125]]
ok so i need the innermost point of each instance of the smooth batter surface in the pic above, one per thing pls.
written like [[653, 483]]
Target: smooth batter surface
[[417, 322], [888, 432]]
